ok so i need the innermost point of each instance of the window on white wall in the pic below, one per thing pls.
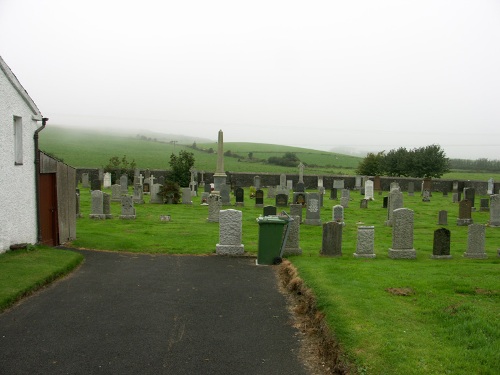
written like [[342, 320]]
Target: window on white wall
[[18, 140]]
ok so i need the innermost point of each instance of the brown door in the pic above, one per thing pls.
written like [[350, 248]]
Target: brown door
[[48, 209]]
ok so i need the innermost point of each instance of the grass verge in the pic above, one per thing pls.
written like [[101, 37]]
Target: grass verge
[[24, 271]]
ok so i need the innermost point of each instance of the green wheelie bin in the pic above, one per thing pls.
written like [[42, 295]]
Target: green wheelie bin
[[272, 238]]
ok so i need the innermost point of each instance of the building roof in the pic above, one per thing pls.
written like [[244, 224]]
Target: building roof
[[19, 88]]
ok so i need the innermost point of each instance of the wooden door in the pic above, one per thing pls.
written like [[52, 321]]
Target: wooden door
[[48, 209]]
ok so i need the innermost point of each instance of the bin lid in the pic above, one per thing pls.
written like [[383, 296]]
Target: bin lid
[[272, 219]]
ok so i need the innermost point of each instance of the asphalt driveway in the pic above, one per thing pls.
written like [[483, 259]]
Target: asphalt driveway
[[146, 314]]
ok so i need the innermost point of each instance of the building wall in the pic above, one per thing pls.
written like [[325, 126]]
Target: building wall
[[17, 182]]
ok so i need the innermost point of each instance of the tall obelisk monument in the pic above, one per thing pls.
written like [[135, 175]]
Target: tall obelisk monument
[[220, 174]]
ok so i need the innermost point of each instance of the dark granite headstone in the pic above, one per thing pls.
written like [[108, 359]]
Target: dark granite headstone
[[443, 217], [299, 187], [484, 204], [281, 200], [269, 210], [385, 202], [470, 195], [332, 239], [207, 188], [464, 213], [95, 185], [259, 198], [441, 245], [239, 193]]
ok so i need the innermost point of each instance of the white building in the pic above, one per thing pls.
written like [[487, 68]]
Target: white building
[[19, 121]]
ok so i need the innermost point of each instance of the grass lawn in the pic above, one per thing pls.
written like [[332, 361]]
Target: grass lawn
[[23, 271], [448, 324]]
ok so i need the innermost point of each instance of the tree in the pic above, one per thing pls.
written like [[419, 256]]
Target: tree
[[371, 165], [287, 160], [121, 166], [397, 162], [428, 161], [181, 165]]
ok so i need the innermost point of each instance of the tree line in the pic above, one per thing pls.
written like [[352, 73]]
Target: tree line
[[476, 165], [422, 162]]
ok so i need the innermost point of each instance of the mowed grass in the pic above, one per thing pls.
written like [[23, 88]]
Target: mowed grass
[[22, 271], [448, 324]]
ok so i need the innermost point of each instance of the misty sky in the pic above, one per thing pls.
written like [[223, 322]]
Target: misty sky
[[367, 75]]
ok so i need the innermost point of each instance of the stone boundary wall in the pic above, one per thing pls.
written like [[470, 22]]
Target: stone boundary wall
[[311, 181]]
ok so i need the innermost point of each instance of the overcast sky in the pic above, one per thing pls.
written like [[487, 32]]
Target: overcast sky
[[368, 75]]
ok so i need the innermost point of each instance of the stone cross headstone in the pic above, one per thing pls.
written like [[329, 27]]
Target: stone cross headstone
[[107, 180], [441, 244], [332, 239], [443, 217], [85, 180], [97, 211], [155, 197], [338, 214], [402, 235], [494, 210], [476, 242], [239, 194], [186, 196], [464, 213], [230, 233], [313, 209], [365, 242], [292, 246], [301, 172], [128, 210], [124, 184], [214, 207], [369, 190]]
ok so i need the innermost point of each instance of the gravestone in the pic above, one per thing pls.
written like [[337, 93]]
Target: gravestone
[[128, 210], [283, 180], [299, 187], [289, 185], [476, 242], [426, 196], [107, 180], [146, 188], [470, 195], [338, 214], [365, 242], [357, 182], [402, 235], [364, 203], [427, 185], [230, 233], [331, 244], [292, 246], [95, 185], [301, 172], [225, 194], [214, 207], [441, 244], [207, 188], [124, 184], [494, 210], [344, 199], [239, 194], [484, 204], [333, 194], [116, 193], [281, 200], [269, 211], [256, 182], [186, 196], [443, 217], [259, 198], [338, 184], [385, 202], [376, 183], [445, 192], [138, 195], [271, 192], [395, 202], [491, 184], [296, 210], [106, 205], [85, 180], [455, 187], [394, 186], [454, 197], [313, 210], [204, 199], [97, 211], [78, 213], [464, 213], [411, 189], [155, 197], [320, 181], [369, 190], [299, 198]]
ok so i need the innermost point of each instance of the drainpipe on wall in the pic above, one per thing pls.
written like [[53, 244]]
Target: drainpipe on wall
[[37, 184]]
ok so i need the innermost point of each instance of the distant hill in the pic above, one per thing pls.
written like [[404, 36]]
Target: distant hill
[[93, 148]]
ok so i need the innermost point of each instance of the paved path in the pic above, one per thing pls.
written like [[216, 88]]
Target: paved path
[[145, 314]]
